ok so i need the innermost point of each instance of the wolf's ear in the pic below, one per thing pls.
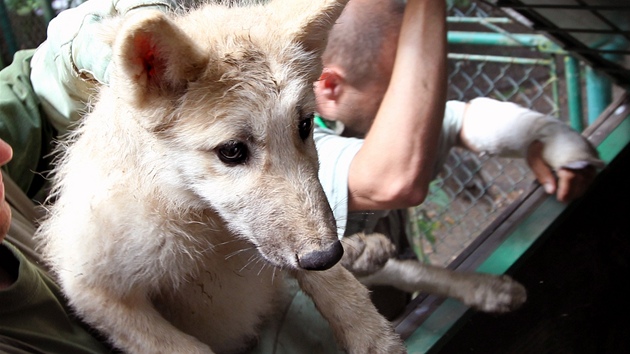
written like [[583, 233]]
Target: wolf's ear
[[309, 21], [155, 57]]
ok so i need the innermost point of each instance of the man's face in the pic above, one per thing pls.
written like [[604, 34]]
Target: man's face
[[359, 105]]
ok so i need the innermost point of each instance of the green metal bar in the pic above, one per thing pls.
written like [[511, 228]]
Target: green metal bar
[[497, 39], [477, 20], [574, 92], [5, 24], [499, 59], [499, 30], [555, 86], [598, 93], [449, 314]]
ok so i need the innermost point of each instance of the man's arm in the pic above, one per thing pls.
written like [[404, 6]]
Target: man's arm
[[394, 166], [508, 130]]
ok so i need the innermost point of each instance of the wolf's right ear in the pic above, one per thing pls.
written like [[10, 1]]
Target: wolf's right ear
[[308, 21], [154, 57]]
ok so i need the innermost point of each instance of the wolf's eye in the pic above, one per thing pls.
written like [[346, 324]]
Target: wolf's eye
[[305, 126], [233, 152]]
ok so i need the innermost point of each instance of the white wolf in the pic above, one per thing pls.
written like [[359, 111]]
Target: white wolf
[[191, 188]]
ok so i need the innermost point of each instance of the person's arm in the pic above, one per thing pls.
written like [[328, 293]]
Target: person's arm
[[508, 130], [394, 166]]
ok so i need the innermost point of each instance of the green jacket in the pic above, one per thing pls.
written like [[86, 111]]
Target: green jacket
[[34, 316], [24, 126]]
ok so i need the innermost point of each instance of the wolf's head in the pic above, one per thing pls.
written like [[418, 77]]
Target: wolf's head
[[226, 93]]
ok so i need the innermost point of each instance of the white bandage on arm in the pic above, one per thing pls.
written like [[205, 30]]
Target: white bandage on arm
[[507, 130]]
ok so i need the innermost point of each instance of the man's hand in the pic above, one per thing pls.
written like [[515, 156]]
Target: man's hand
[[6, 153], [547, 144], [568, 185]]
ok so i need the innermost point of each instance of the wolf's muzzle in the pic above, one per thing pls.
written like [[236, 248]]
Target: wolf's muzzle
[[321, 260]]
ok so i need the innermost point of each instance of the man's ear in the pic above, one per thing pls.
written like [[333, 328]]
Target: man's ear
[[330, 84], [328, 90]]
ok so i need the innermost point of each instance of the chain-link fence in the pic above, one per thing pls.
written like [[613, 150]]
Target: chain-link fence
[[23, 27]]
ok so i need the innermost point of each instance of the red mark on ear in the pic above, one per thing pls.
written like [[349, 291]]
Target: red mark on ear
[[328, 78], [146, 53], [149, 66]]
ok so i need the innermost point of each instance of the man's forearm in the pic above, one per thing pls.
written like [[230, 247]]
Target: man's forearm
[[507, 130], [398, 154]]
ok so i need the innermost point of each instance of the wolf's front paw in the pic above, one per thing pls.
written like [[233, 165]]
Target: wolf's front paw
[[366, 254], [377, 338], [391, 344], [495, 294], [394, 345]]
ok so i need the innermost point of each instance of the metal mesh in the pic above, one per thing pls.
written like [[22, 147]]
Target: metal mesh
[[28, 31], [471, 190]]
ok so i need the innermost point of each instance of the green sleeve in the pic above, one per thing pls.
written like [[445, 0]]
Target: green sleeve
[[23, 126], [34, 317]]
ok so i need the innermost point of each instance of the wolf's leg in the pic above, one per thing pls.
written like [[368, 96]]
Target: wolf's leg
[[346, 305], [365, 254], [133, 325], [484, 292]]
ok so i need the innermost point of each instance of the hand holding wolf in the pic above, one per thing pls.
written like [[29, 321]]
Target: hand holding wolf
[[193, 183]]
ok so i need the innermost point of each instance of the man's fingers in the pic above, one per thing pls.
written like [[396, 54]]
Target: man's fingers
[[573, 184], [5, 219], [541, 170], [6, 153], [565, 180]]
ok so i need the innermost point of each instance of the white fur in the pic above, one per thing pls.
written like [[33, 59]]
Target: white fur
[[159, 243]]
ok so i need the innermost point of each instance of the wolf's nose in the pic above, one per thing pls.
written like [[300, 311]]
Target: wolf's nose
[[321, 260]]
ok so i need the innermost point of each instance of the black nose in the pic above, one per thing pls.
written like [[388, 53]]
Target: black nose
[[321, 260]]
